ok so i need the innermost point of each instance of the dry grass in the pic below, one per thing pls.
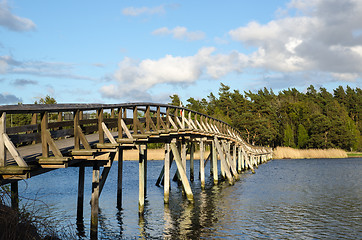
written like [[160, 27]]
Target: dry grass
[[287, 152]]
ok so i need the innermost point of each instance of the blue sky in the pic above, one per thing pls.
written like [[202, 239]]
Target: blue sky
[[132, 51]]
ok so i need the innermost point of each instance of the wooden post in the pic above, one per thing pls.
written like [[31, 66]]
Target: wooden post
[[167, 118], [166, 179], [214, 163], [148, 118], [119, 182], [135, 119], [141, 179], [119, 122], [202, 167], [185, 182], [44, 128], [100, 129], [2, 142], [76, 134], [95, 202], [239, 159], [224, 164], [14, 195], [183, 153], [80, 195], [192, 151], [234, 157]]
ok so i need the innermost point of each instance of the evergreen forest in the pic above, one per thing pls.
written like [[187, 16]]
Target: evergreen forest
[[314, 119]]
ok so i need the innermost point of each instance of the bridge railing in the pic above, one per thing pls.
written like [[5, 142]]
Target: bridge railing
[[56, 121]]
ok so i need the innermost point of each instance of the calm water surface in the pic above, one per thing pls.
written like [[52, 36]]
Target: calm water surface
[[285, 199]]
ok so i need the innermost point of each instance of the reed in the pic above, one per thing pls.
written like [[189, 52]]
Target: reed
[[287, 152]]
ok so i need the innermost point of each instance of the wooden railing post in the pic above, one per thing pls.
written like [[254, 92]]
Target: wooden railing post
[[135, 116], [100, 129], [167, 118], [148, 118], [44, 128], [2, 142], [119, 123], [76, 134], [158, 118]]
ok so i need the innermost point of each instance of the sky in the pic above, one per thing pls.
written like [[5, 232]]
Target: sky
[[145, 51]]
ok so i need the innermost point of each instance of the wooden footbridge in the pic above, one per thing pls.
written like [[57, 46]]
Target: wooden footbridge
[[95, 135]]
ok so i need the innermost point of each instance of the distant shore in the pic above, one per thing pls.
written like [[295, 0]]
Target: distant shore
[[278, 153], [291, 153]]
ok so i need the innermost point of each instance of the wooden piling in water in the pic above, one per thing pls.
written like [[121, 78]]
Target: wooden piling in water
[[141, 179], [214, 163], [202, 166], [119, 177], [95, 202], [80, 199], [166, 178], [14, 195], [192, 151]]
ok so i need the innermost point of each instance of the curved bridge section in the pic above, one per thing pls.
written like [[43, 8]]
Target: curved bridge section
[[95, 135]]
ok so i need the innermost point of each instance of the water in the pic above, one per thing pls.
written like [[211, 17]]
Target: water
[[285, 199]]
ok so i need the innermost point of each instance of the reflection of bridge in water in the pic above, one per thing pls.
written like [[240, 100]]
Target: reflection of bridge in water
[[95, 135]]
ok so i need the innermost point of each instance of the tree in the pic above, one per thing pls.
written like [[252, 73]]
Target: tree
[[288, 137], [46, 100], [302, 136], [175, 100]]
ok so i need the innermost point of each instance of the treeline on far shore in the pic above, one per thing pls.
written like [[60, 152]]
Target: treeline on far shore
[[315, 119]]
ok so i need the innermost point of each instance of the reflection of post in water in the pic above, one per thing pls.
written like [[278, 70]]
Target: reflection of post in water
[[186, 219], [168, 222], [80, 228], [119, 216], [142, 222]]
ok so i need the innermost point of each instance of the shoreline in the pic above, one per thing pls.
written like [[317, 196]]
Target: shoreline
[[291, 153], [278, 153]]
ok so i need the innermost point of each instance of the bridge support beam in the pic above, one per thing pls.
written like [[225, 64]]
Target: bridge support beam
[[142, 178], [95, 202], [182, 172], [202, 165], [166, 178], [192, 151], [14, 196], [119, 180], [80, 200], [224, 164], [214, 163]]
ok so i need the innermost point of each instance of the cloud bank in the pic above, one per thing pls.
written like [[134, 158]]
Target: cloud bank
[[13, 22], [134, 78], [310, 41], [6, 98]]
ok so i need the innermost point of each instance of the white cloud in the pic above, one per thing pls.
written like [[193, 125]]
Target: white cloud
[[135, 78], [317, 35], [180, 33], [13, 22], [133, 11]]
